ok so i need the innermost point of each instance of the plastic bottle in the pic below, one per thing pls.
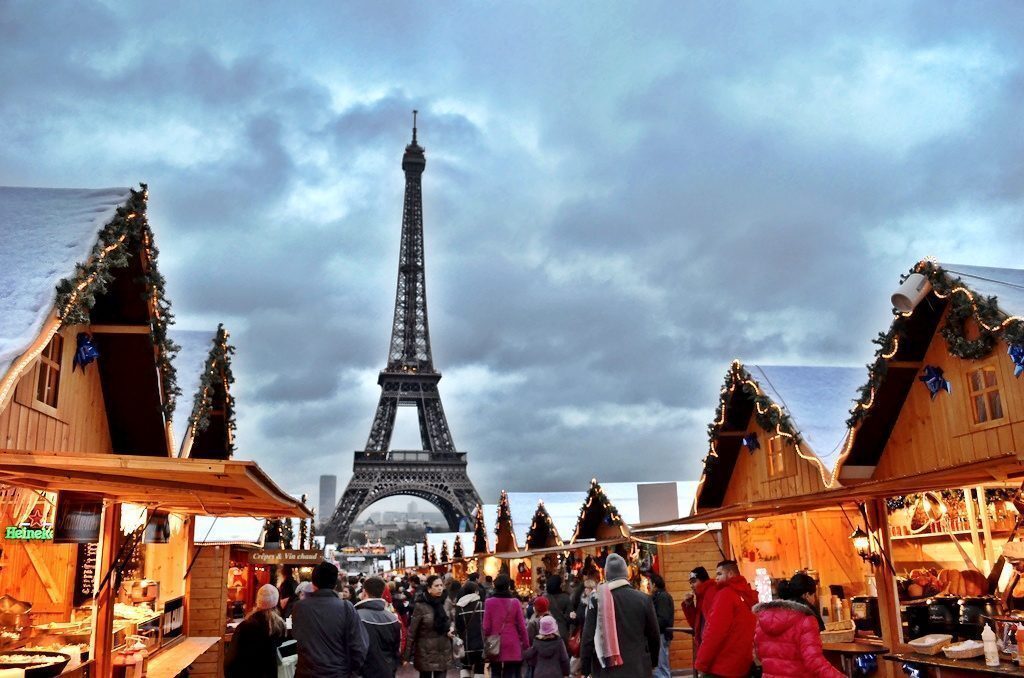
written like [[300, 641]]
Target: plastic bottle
[[988, 637]]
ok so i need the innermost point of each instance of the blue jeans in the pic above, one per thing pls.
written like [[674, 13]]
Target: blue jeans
[[662, 670]]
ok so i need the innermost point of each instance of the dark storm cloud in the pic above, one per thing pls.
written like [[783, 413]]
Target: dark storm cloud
[[617, 202]]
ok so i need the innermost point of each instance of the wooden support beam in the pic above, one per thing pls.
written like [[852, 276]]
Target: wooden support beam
[[119, 329], [885, 581], [904, 365], [104, 626]]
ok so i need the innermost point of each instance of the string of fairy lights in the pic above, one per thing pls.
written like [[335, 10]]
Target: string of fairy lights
[[541, 517], [966, 307], [127, 230]]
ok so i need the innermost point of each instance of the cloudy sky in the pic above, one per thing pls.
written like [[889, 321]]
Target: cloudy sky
[[619, 198]]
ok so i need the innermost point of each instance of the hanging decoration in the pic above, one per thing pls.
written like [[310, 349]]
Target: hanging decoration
[[933, 379], [1016, 353], [751, 442], [127, 232], [85, 353]]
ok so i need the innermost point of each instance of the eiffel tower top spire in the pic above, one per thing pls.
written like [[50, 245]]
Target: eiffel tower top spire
[[410, 335]]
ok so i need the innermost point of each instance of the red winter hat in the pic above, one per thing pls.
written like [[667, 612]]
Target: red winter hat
[[541, 606]]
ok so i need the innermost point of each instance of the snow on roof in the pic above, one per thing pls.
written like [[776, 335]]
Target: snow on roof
[[190, 363], [818, 400], [563, 507], [214, 530], [1005, 283], [44, 232]]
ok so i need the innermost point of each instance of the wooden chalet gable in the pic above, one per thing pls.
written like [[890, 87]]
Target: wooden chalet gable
[[543, 533], [599, 519], [758, 450], [966, 327], [204, 419], [82, 266], [480, 545], [505, 535]]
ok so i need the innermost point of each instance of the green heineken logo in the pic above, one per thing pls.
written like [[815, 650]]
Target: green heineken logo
[[34, 529], [28, 533]]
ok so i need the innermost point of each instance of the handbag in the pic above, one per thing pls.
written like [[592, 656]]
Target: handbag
[[574, 642], [458, 648], [492, 643]]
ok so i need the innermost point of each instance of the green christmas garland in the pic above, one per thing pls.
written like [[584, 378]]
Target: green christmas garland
[[767, 416], [479, 533], [984, 311], [597, 492], [128, 231], [216, 369]]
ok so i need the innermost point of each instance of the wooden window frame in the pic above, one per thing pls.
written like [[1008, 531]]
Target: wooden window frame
[[976, 425], [30, 398], [777, 446]]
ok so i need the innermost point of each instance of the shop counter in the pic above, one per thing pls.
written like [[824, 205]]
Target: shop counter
[[940, 666], [174, 660]]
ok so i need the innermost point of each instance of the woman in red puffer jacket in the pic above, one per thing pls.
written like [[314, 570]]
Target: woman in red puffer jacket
[[787, 640]]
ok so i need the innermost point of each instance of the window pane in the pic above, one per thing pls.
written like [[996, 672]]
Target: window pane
[[41, 382], [976, 380], [995, 405], [979, 409], [990, 378]]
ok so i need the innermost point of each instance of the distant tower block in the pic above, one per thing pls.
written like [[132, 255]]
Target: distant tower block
[[437, 471], [328, 497]]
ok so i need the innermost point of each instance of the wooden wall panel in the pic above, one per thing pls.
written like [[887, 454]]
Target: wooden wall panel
[[941, 433], [750, 480], [676, 562], [208, 606], [22, 575], [79, 423], [166, 563]]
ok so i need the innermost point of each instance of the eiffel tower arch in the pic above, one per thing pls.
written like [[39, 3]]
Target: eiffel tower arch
[[437, 472]]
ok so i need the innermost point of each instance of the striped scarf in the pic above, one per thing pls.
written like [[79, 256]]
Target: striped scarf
[[606, 636]]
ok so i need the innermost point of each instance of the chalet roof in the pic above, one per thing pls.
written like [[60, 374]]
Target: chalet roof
[[563, 507], [44, 232], [191, 363], [436, 539], [817, 399], [904, 346]]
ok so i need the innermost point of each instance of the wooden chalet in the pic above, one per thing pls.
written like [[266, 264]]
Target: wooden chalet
[[97, 509], [935, 440]]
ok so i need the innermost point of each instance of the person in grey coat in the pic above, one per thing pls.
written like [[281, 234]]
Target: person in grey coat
[[383, 630], [634, 624], [331, 640]]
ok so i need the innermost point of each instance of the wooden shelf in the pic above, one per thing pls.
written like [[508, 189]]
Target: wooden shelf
[[955, 533]]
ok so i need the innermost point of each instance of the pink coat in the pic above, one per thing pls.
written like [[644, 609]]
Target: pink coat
[[788, 643], [505, 616]]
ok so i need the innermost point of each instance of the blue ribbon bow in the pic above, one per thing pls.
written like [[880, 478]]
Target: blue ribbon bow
[[1016, 353], [934, 380], [751, 443], [85, 353]]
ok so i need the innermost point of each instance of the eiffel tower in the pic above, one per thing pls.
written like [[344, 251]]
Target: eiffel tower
[[436, 473]]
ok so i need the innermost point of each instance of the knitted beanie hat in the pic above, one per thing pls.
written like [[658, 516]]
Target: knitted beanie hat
[[615, 568], [541, 606], [267, 597]]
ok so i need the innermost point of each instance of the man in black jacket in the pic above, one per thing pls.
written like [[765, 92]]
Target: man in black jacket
[[665, 611], [331, 639], [634, 624], [383, 630]]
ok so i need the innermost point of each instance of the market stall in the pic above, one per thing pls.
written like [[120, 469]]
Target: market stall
[[775, 432], [934, 450]]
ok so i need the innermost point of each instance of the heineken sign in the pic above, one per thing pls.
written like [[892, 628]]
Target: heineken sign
[[22, 533], [33, 529]]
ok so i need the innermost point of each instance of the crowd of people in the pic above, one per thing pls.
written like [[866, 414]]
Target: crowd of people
[[373, 626]]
